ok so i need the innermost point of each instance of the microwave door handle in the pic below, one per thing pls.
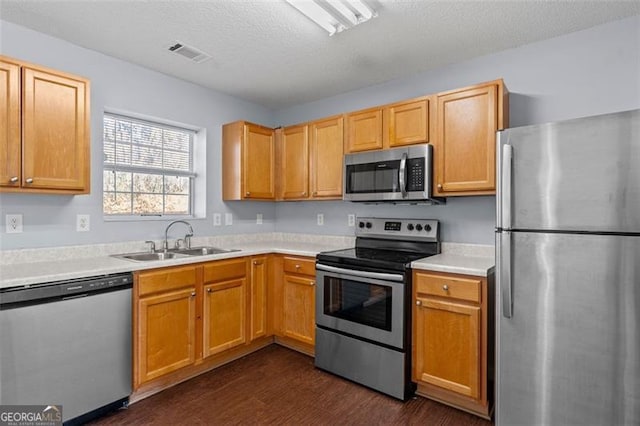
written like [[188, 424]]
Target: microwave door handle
[[402, 175]]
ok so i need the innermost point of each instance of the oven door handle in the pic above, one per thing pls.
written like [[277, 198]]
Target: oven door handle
[[362, 274]]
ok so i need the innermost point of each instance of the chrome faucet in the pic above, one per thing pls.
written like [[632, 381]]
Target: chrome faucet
[[187, 237]]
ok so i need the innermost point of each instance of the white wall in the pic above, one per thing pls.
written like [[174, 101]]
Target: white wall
[[590, 72], [50, 220], [585, 73]]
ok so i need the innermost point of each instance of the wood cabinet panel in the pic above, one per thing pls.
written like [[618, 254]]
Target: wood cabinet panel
[[166, 335], [55, 150], [10, 131], [449, 286], [223, 270], [166, 279], [258, 297], [224, 316], [300, 265], [448, 346], [299, 308], [364, 130], [408, 122], [465, 139], [294, 162], [327, 150]]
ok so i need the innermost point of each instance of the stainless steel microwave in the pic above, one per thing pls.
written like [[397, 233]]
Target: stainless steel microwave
[[400, 175]]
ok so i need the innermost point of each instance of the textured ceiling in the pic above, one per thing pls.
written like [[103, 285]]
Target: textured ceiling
[[266, 52]]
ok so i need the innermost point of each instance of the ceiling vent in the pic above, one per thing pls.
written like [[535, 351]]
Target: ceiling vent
[[189, 52]]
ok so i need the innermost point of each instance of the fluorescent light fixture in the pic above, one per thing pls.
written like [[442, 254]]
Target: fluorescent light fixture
[[335, 15]]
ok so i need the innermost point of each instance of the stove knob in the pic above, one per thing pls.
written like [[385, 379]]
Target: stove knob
[[361, 225], [369, 225], [427, 228], [418, 227], [410, 227]]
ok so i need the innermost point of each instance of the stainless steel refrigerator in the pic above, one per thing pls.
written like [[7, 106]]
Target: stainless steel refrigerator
[[568, 273]]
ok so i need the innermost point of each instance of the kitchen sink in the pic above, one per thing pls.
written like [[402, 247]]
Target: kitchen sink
[[203, 251], [173, 254], [145, 257]]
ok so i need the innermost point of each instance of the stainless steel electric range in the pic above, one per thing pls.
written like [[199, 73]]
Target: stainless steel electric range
[[363, 303]]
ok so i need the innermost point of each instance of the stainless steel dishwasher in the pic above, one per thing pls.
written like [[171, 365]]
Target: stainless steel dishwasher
[[67, 343]]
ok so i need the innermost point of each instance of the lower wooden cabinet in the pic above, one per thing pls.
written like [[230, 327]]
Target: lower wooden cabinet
[[225, 305], [450, 339], [165, 322], [258, 297]]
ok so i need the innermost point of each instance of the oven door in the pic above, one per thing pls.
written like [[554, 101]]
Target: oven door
[[363, 304]]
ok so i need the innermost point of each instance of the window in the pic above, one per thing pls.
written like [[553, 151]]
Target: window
[[148, 168]]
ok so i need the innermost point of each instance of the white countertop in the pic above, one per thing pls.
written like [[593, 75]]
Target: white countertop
[[32, 266], [481, 266]]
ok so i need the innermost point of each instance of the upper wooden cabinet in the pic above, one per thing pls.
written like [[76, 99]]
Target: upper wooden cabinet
[[364, 130], [327, 150], [45, 141], [248, 159], [310, 160], [294, 162], [388, 126], [465, 139]]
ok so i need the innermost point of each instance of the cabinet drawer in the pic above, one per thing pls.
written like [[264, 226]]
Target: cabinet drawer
[[223, 270], [448, 286], [300, 265], [166, 279]]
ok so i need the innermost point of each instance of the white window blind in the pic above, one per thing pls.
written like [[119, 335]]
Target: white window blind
[[148, 168]]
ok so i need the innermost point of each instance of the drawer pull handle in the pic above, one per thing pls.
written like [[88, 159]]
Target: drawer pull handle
[[297, 266], [29, 180], [209, 290], [418, 302], [13, 179], [312, 283], [247, 193], [193, 294], [445, 287]]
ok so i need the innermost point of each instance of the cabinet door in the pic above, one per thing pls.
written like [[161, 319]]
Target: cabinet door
[[258, 297], [299, 318], [408, 123], [327, 149], [447, 346], [9, 124], [465, 141], [364, 130], [55, 150], [295, 162], [258, 162], [224, 316], [167, 333]]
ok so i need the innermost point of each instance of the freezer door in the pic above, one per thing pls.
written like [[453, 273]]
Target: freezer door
[[570, 353], [579, 175]]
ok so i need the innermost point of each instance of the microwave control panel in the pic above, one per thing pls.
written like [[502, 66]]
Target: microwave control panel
[[415, 174]]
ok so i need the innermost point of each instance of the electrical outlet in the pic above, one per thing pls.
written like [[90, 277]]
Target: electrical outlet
[[352, 220], [82, 223], [13, 223], [320, 219], [228, 219], [217, 219], [259, 219]]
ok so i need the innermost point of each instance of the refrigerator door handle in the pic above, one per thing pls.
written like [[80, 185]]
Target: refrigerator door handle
[[505, 190], [506, 284]]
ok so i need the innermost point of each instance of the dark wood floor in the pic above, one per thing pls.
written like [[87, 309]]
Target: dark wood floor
[[279, 386]]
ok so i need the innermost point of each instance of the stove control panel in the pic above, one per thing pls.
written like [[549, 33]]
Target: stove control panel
[[399, 229]]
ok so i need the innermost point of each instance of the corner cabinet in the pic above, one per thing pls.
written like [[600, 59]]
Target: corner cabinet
[[464, 138], [45, 139], [248, 162], [451, 350]]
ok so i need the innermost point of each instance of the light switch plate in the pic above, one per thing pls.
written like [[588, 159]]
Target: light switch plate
[[217, 219], [13, 223], [83, 223], [320, 219], [352, 220], [259, 219], [228, 219]]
